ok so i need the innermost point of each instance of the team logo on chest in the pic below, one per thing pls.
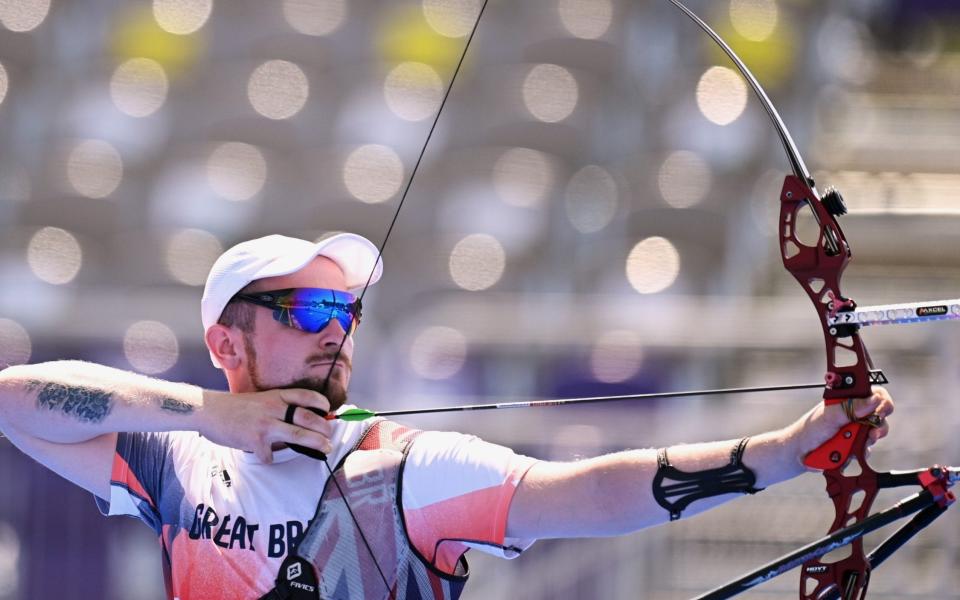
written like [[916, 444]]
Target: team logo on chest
[[219, 471]]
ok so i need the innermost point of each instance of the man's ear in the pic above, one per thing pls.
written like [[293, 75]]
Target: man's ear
[[225, 344]]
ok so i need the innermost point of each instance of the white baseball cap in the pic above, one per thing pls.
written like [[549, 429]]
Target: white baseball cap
[[276, 255]]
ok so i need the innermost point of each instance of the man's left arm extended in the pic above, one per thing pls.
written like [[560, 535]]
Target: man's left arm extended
[[613, 494]]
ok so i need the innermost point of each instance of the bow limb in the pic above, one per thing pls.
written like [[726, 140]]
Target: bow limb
[[793, 155]]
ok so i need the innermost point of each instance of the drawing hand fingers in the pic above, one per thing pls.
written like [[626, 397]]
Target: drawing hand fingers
[[295, 434]]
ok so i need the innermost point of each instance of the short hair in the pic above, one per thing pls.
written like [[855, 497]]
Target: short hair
[[238, 313]]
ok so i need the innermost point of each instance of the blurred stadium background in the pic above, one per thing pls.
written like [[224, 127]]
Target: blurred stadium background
[[595, 215]]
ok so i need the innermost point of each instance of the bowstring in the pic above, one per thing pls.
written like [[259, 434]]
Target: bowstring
[[406, 190], [356, 522], [376, 263]]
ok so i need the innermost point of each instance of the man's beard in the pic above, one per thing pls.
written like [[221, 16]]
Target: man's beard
[[334, 391]]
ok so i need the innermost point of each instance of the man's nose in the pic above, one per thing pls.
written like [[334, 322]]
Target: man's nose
[[333, 333]]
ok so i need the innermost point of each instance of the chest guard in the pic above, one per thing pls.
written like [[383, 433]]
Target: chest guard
[[331, 561]]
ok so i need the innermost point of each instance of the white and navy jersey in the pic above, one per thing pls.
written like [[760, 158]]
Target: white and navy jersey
[[225, 520]]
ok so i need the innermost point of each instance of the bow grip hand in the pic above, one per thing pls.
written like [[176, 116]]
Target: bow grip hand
[[835, 452], [865, 425]]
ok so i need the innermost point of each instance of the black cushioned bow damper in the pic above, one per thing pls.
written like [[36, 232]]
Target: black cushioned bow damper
[[288, 418]]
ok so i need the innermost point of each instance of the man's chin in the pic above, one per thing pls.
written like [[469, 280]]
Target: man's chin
[[336, 395]]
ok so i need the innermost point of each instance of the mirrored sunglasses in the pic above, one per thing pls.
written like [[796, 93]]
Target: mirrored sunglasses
[[309, 309]]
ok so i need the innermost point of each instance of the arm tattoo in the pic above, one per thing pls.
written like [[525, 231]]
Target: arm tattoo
[[177, 406], [85, 404]]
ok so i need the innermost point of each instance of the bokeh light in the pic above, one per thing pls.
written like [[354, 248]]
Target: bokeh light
[[54, 255], [684, 179], [315, 17], [406, 35], [653, 265], [477, 262], [135, 33], [182, 17], [15, 346], [587, 19], [550, 92], [756, 20], [721, 95], [151, 347], [373, 173], [189, 255], [413, 91], [4, 83], [592, 198], [236, 171], [23, 15], [9, 561], [438, 352], [616, 356], [278, 89], [451, 18], [94, 168], [139, 87], [523, 177]]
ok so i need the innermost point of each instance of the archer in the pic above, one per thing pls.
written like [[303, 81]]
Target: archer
[[366, 509]]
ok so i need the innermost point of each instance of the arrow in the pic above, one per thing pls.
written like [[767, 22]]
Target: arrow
[[362, 414]]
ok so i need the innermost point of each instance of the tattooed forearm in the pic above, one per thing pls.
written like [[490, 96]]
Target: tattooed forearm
[[177, 406], [85, 404]]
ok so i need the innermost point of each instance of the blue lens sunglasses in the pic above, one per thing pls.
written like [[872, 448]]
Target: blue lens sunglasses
[[309, 309]]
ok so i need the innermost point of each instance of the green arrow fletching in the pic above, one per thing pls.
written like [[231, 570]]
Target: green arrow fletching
[[356, 414]]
